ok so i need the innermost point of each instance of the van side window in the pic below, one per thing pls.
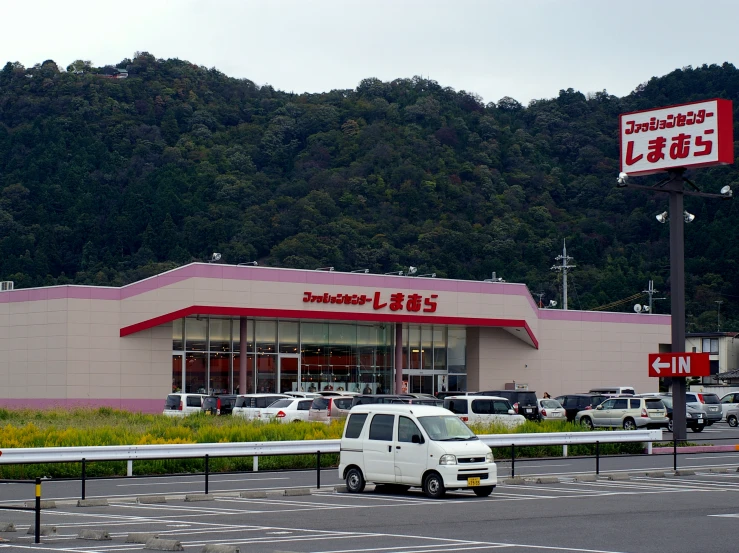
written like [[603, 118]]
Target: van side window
[[381, 428], [406, 429], [355, 425], [482, 406], [194, 401], [456, 406], [501, 407]]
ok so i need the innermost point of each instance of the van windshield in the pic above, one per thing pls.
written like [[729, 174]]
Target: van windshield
[[446, 428]]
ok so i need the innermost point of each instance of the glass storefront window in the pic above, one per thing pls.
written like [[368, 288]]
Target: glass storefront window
[[288, 335], [177, 335], [195, 334], [195, 367], [427, 350], [342, 355], [177, 373], [266, 336], [266, 373], [220, 372], [456, 350], [249, 389], [439, 348], [220, 335]]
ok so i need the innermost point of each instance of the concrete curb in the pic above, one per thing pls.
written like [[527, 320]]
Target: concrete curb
[[585, 478], [617, 476], [92, 503], [44, 504], [297, 491], [253, 495], [99, 535], [7, 527], [516, 481], [219, 548], [547, 480], [341, 489], [717, 470], [140, 537], [200, 497], [43, 530], [163, 545], [151, 499], [684, 472], [655, 474]]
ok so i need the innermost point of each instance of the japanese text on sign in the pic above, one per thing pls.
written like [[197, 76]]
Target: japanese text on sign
[[397, 301], [692, 135]]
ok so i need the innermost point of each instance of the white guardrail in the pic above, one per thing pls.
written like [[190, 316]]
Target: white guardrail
[[258, 449]]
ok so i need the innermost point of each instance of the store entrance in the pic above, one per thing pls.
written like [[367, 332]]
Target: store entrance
[[289, 373], [426, 382]]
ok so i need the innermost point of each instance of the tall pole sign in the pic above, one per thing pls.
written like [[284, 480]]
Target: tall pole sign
[[673, 139]]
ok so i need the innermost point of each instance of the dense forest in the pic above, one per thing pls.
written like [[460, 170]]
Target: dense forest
[[107, 180]]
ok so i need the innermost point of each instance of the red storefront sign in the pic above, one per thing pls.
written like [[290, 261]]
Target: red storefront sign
[[687, 135], [397, 301]]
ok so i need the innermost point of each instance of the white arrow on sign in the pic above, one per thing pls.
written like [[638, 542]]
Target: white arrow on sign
[[657, 365]]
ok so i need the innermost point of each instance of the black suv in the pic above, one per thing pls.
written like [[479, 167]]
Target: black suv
[[579, 402], [523, 401], [218, 405]]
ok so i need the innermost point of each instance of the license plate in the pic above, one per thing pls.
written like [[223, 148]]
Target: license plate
[[700, 421], [529, 411], [473, 481]]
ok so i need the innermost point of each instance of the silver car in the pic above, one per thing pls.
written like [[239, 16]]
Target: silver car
[[628, 413], [709, 403]]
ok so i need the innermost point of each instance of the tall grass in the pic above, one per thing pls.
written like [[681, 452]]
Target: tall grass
[[106, 426]]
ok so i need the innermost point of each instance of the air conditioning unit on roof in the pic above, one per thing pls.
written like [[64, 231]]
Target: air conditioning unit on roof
[[6, 285]]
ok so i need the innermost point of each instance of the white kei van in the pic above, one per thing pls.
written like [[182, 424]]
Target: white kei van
[[484, 410], [402, 445], [181, 405]]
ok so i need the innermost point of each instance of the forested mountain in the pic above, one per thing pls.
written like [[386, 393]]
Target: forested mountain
[[107, 180]]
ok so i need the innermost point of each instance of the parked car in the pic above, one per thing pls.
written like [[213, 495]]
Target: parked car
[[426, 401], [218, 405], [710, 403], [574, 403], [628, 413], [614, 391], [732, 417], [729, 402], [442, 395], [551, 409], [695, 419], [523, 401], [427, 447], [476, 409], [329, 408], [249, 406], [287, 410], [183, 404], [306, 395]]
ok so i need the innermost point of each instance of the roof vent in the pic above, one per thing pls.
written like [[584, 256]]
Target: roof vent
[[6, 285]]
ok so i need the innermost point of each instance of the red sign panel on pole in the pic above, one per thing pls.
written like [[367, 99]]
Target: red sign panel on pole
[[692, 135], [679, 365]]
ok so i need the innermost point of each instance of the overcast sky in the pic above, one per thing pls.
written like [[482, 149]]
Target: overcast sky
[[526, 49]]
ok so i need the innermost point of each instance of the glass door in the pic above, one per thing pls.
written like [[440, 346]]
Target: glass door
[[289, 373], [177, 370]]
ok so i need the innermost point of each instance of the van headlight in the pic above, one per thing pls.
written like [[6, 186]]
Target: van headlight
[[448, 460], [489, 458]]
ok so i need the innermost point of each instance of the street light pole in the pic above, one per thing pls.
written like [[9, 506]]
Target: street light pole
[[675, 186]]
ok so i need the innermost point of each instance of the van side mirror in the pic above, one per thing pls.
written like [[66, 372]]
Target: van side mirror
[[600, 406], [511, 412], [416, 439]]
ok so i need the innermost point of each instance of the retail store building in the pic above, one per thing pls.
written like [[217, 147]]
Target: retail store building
[[224, 328]]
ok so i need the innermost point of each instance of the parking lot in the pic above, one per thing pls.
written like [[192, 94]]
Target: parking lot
[[641, 514]]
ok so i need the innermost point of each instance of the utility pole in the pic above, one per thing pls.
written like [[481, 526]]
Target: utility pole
[[541, 295], [718, 315], [651, 292], [565, 259]]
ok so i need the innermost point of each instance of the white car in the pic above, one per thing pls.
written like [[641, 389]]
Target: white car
[[249, 406], [729, 402], [483, 410], [551, 409], [287, 410]]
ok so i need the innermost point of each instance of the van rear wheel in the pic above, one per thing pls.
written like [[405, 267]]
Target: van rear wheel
[[433, 486], [483, 491], [355, 480]]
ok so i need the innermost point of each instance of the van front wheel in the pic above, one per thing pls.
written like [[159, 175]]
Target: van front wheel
[[433, 486], [355, 480]]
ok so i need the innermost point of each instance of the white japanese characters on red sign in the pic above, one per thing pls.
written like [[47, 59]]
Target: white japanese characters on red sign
[[689, 135]]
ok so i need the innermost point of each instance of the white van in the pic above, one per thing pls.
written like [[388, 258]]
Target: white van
[[484, 410], [403, 445], [181, 405], [249, 406]]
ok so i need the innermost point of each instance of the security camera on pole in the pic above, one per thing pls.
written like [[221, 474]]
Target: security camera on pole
[[673, 139]]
